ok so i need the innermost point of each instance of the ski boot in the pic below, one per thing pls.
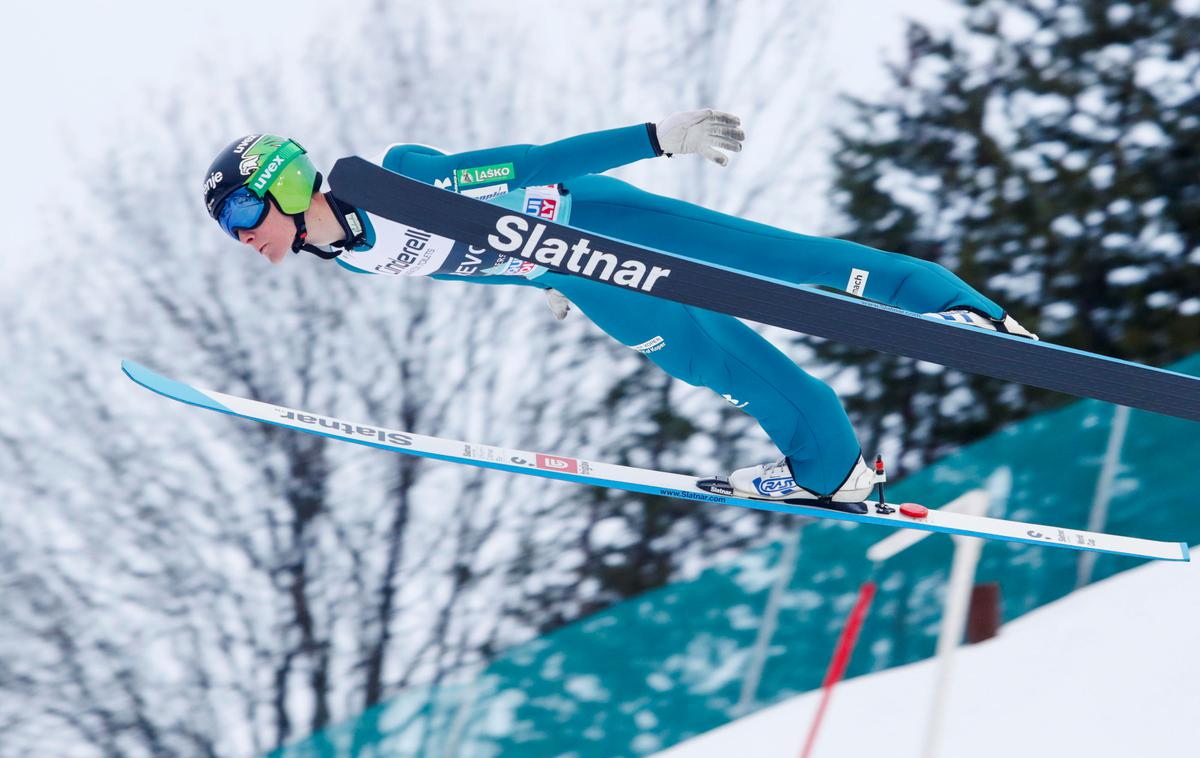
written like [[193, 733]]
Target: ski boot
[[774, 482]]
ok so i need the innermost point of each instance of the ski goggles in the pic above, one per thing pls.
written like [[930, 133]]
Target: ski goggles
[[241, 210]]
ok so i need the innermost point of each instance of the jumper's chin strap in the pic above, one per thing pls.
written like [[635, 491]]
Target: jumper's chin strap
[[301, 233], [347, 217], [298, 242]]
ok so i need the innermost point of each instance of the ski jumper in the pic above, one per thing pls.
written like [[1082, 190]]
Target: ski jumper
[[802, 415]]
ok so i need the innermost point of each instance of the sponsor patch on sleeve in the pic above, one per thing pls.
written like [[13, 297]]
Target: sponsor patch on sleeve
[[650, 345], [858, 281], [485, 193], [543, 202], [499, 172]]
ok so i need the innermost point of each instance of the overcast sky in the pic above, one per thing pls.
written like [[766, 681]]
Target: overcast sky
[[77, 73], [74, 74]]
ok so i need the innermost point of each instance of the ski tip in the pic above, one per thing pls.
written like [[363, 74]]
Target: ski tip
[[169, 387], [136, 371]]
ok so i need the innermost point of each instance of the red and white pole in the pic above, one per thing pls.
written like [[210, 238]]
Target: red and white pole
[[841, 659]]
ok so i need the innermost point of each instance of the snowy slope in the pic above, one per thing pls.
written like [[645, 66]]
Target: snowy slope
[[1111, 671]]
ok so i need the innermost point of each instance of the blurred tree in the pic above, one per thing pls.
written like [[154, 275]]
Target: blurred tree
[[674, 55], [1047, 153], [177, 583]]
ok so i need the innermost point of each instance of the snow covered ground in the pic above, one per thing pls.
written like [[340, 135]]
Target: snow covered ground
[[1110, 671]]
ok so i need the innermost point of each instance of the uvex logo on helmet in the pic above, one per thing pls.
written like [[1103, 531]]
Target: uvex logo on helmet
[[246, 142]]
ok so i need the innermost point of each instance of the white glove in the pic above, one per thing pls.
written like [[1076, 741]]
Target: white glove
[[560, 306], [701, 132]]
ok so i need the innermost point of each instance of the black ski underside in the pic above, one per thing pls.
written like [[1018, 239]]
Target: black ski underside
[[800, 308]]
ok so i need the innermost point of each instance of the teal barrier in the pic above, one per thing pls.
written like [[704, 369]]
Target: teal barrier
[[658, 669]]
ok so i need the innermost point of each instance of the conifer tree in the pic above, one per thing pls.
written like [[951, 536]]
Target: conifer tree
[[1048, 154]]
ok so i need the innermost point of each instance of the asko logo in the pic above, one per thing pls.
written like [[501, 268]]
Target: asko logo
[[555, 463]]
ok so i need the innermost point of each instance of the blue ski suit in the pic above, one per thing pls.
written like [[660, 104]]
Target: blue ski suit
[[560, 180]]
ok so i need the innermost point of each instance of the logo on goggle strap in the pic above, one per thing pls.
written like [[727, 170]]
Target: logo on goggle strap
[[774, 485], [265, 178]]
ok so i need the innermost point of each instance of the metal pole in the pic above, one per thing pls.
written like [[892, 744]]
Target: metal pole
[[954, 621], [993, 498], [1104, 490], [770, 621], [462, 716]]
